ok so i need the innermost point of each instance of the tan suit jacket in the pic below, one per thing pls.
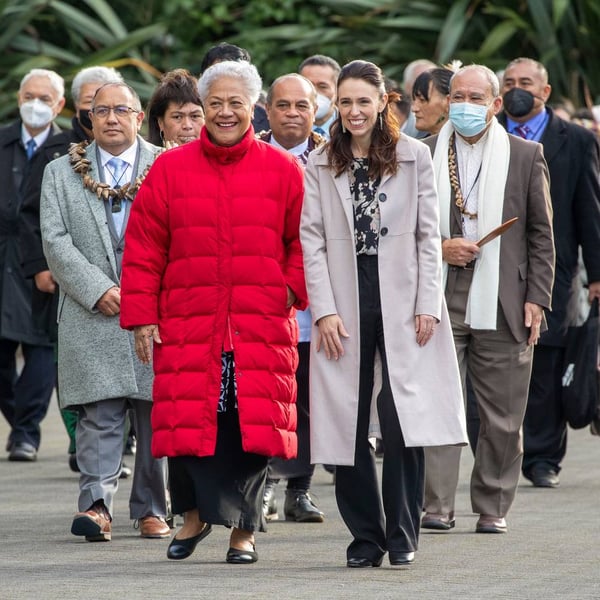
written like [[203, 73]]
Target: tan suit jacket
[[526, 275], [527, 248]]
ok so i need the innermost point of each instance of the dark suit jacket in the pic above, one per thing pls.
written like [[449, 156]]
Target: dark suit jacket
[[573, 159], [18, 175], [527, 249], [43, 305]]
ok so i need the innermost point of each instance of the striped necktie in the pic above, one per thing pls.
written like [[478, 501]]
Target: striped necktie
[[523, 131], [117, 170]]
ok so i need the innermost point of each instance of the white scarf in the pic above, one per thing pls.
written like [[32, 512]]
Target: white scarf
[[481, 311]]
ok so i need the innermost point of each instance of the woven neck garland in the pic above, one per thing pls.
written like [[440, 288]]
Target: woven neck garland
[[81, 165], [453, 171]]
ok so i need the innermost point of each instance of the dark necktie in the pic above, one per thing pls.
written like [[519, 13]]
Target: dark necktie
[[30, 148], [523, 131], [118, 168]]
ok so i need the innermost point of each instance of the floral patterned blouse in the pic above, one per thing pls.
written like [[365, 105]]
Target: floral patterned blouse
[[366, 207]]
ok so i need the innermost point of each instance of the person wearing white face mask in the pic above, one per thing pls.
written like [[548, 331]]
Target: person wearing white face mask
[[496, 292], [26, 146], [322, 71]]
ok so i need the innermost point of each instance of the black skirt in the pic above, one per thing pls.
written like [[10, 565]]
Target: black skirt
[[226, 488]]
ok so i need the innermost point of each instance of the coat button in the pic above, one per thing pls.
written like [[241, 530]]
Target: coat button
[[382, 197], [384, 231]]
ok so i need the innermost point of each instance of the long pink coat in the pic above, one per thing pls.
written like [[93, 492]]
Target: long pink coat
[[425, 380]]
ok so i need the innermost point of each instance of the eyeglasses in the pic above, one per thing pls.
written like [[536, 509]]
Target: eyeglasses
[[121, 112]]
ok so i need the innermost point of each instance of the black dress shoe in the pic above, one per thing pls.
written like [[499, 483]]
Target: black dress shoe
[[300, 507], [401, 558], [180, 549], [23, 452], [126, 471], [73, 463], [361, 563], [236, 556], [544, 477]]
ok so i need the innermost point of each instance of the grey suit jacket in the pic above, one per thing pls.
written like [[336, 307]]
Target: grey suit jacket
[[527, 248], [96, 358]]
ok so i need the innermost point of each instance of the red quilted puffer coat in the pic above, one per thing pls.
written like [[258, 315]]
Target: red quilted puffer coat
[[212, 241]]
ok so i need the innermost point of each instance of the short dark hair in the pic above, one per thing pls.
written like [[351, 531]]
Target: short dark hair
[[439, 77], [178, 86], [222, 52], [322, 61], [136, 99]]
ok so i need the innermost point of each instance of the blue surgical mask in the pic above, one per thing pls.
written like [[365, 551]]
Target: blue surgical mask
[[468, 119]]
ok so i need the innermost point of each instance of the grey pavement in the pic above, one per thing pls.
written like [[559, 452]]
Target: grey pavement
[[552, 549]]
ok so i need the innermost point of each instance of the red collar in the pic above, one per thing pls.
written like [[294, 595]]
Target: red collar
[[227, 154]]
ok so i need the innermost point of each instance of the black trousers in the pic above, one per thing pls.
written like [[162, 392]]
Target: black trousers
[[395, 525], [545, 428], [24, 397], [299, 470]]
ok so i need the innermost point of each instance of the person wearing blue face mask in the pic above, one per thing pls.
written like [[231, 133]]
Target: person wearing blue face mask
[[496, 292]]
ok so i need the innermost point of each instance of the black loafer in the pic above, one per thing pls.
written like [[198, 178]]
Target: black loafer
[[401, 558], [544, 477], [236, 556], [361, 563], [180, 549]]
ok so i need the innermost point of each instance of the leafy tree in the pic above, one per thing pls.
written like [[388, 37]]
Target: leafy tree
[[145, 39]]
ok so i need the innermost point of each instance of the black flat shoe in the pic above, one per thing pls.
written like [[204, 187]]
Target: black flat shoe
[[241, 557], [180, 549], [361, 563], [401, 558]]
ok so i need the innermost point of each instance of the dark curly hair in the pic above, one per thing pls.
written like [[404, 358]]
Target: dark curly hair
[[178, 86], [382, 152]]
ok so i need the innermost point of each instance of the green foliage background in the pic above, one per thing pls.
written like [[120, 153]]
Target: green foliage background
[[143, 39]]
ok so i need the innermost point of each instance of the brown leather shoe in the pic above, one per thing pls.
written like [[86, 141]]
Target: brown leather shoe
[[491, 524], [437, 521], [95, 526], [153, 527]]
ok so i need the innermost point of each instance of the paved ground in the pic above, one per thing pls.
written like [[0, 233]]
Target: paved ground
[[552, 550]]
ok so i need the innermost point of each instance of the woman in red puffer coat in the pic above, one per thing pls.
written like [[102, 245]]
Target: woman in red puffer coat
[[212, 272]]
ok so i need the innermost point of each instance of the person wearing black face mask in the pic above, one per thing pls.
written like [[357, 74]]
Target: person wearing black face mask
[[573, 159], [83, 88]]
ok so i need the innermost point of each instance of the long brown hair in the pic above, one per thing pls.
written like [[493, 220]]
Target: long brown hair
[[382, 152]]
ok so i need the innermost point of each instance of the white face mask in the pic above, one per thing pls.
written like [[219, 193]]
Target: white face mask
[[323, 107], [36, 114]]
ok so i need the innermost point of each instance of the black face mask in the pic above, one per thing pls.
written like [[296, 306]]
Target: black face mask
[[83, 116], [518, 102]]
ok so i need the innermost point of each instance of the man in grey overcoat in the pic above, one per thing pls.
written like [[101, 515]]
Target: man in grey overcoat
[[85, 203]]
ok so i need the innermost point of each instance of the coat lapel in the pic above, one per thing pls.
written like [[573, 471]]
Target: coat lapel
[[98, 209], [342, 186], [553, 137]]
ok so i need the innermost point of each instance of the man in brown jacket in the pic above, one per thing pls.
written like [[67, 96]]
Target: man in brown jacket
[[496, 292]]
